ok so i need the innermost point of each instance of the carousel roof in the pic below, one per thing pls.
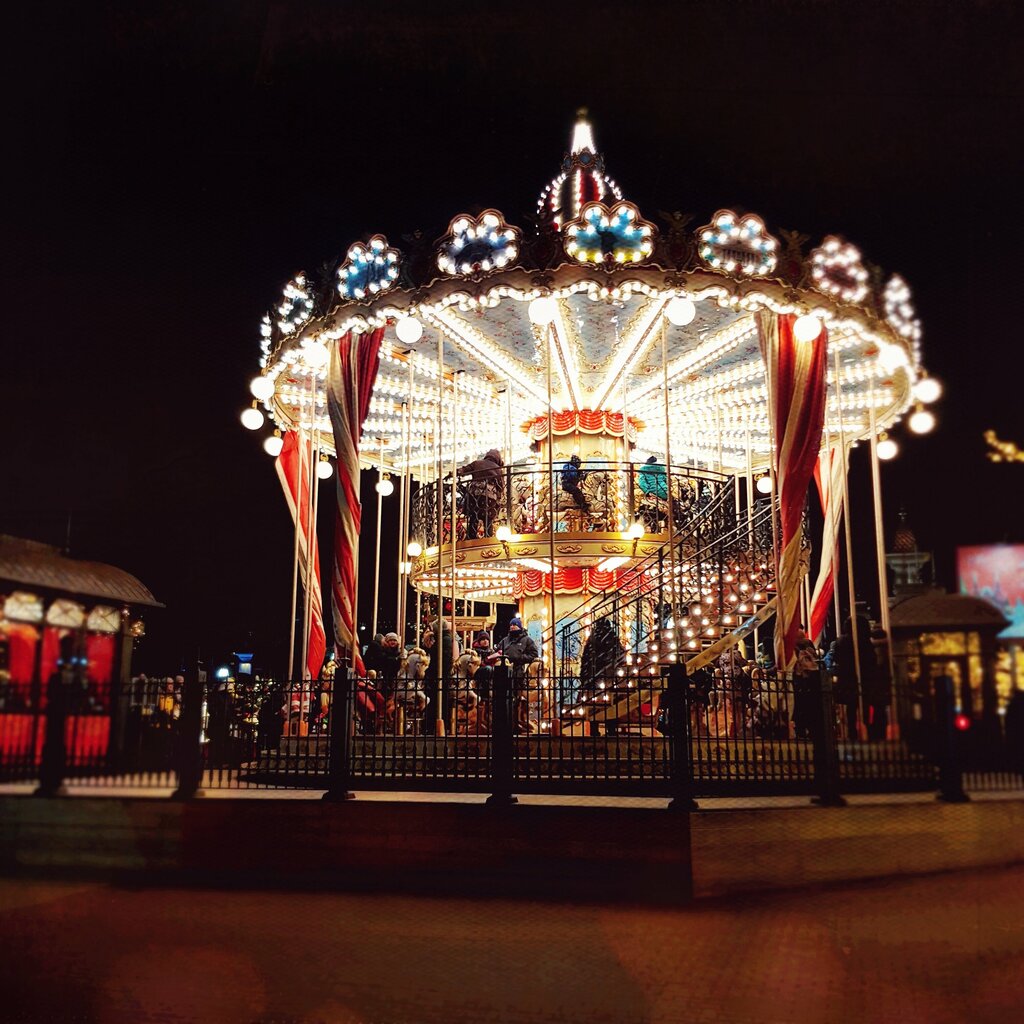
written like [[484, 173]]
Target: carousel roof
[[937, 610], [625, 291], [27, 563]]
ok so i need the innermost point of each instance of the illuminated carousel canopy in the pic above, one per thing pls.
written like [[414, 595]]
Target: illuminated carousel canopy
[[616, 281]]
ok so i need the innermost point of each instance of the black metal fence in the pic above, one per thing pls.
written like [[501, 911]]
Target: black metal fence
[[503, 730]]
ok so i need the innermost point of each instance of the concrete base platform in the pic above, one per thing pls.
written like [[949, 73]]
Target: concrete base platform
[[552, 850]]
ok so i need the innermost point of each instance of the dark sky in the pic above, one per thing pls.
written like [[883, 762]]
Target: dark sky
[[170, 165]]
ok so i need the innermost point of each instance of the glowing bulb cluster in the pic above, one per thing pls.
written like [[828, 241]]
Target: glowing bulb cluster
[[731, 243], [476, 244], [837, 269], [616, 235], [296, 305], [369, 269], [899, 308]]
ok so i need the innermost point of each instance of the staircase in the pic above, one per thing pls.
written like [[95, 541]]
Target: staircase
[[690, 603]]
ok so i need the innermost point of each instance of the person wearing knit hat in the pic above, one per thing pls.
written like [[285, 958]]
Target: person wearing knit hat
[[518, 647], [391, 658]]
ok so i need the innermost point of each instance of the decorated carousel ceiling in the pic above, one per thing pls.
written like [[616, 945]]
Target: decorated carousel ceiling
[[469, 356]]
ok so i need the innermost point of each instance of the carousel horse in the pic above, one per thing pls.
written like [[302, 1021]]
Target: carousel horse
[[465, 699], [407, 693]]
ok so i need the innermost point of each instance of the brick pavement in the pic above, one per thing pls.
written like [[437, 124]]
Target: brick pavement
[[941, 950]]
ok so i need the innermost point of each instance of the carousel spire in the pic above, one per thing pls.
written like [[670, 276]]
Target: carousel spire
[[581, 180]]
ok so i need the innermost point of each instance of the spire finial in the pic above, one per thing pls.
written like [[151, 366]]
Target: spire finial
[[582, 135]]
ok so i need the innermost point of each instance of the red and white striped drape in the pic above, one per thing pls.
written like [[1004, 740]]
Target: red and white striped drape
[[828, 475], [795, 371], [350, 379], [295, 465]]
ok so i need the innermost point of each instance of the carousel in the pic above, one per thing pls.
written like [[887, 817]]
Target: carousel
[[611, 423]]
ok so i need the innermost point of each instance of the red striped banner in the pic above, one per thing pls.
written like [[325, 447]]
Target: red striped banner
[[350, 379], [828, 475], [294, 466], [795, 372]]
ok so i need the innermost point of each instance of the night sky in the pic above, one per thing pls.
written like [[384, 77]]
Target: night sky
[[170, 166]]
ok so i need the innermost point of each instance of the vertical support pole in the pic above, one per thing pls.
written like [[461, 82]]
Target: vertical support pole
[[553, 505], [309, 534], [679, 740], [851, 583], [189, 755], [340, 748], [825, 750], [502, 743], [380, 512], [883, 589], [295, 562], [951, 785], [455, 532], [673, 581], [439, 494]]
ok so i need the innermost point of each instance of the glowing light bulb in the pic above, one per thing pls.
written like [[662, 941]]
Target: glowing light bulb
[[324, 469], [806, 327], [927, 389], [261, 388], [764, 484], [317, 356], [542, 311], [415, 549], [636, 531], [887, 449], [921, 422], [385, 487], [273, 445], [680, 311], [252, 419], [503, 533], [409, 330]]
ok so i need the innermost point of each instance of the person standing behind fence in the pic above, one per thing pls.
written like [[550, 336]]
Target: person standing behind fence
[[806, 687], [847, 695], [484, 492], [877, 686], [571, 478]]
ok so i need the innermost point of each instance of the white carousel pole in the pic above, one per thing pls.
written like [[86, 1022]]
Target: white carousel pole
[[883, 589], [673, 581], [400, 532], [314, 482], [834, 519], [310, 527], [439, 493], [295, 560], [380, 511], [851, 583], [407, 525], [455, 533], [750, 518], [552, 506]]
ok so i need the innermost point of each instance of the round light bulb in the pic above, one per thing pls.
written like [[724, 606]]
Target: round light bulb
[[636, 531], [764, 484], [385, 487], [927, 389], [252, 419], [324, 469], [806, 327], [415, 549], [891, 357], [261, 388], [503, 533], [542, 311], [273, 445], [680, 311], [409, 330], [921, 422], [316, 355], [887, 449]]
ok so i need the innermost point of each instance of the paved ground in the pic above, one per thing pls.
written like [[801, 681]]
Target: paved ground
[[941, 950]]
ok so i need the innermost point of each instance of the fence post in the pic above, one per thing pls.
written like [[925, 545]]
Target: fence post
[[53, 762], [501, 740], [339, 766], [679, 740], [188, 756], [826, 751], [951, 785]]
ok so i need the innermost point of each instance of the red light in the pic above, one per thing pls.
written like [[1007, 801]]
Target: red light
[[962, 722]]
